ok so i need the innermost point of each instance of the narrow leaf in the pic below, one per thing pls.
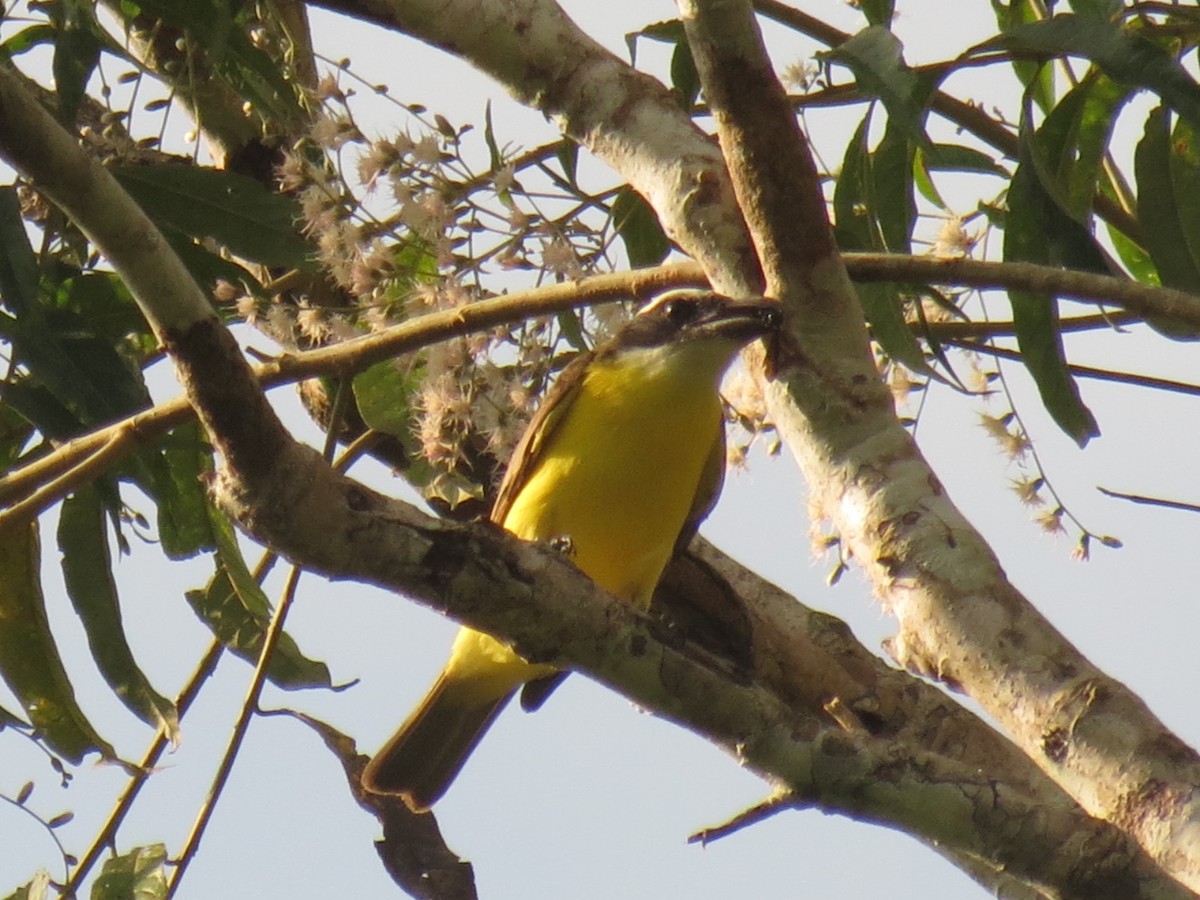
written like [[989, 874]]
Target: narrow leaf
[[29, 660], [1124, 54], [1037, 230], [87, 571], [876, 58], [18, 263], [861, 225], [238, 212], [646, 243]]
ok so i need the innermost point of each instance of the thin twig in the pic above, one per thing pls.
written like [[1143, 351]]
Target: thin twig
[[1150, 501], [1146, 381], [106, 838], [745, 819], [249, 707]]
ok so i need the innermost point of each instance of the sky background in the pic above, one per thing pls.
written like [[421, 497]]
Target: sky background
[[592, 798]]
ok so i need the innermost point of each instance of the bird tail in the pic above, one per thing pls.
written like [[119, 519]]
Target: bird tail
[[425, 755]]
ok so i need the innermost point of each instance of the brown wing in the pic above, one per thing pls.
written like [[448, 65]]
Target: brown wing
[[543, 424], [712, 479]]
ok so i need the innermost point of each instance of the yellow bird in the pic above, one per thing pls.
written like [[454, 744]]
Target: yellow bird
[[623, 460]]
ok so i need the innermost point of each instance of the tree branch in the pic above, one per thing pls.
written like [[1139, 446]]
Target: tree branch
[[961, 621]]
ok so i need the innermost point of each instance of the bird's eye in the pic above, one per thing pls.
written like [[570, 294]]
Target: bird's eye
[[680, 312]]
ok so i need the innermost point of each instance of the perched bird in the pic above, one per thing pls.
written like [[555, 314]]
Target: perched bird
[[623, 460]]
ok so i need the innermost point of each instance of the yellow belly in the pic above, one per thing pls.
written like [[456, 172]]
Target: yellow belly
[[617, 480]]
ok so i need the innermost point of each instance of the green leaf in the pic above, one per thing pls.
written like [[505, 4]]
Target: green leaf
[[76, 54], [1100, 9], [26, 39], [237, 611], [858, 197], [184, 526], [957, 158], [1168, 176], [384, 395], [87, 572], [646, 243], [111, 313], [684, 78], [18, 262], [139, 874], [1038, 230], [495, 157], [567, 155], [1037, 79], [878, 12], [876, 59], [1122, 53], [83, 371], [40, 408], [1072, 143], [15, 432], [238, 212], [891, 197], [29, 660], [172, 474]]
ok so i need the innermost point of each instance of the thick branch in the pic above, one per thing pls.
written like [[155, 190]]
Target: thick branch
[[961, 621]]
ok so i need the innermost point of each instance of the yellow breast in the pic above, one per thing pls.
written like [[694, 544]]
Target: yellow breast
[[620, 472]]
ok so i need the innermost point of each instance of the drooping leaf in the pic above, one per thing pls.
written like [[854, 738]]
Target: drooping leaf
[[876, 58], [1070, 147], [40, 408], [139, 874], [76, 54], [178, 467], [18, 262], [1037, 229], [1124, 54], [83, 371], [1037, 79], [861, 217], [646, 243], [237, 611], [238, 212], [87, 572], [29, 660], [54, 338], [891, 190], [1165, 170]]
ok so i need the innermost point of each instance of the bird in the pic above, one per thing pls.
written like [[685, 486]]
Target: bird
[[622, 461]]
